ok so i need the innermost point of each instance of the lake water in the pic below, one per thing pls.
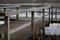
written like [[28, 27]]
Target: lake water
[[53, 29]]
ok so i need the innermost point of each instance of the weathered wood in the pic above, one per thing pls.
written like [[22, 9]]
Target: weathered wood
[[7, 28], [49, 14], [17, 15], [26, 14], [2, 14], [52, 14], [4, 9], [7, 25], [43, 21], [32, 23], [57, 38], [47, 25], [55, 21], [56, 13], [24, 10], [43, 15], [9, 6], [24, 4]]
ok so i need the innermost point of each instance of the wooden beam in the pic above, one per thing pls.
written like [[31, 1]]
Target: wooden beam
[[7, 28], [32, 23], [24, 10], [9, 6]]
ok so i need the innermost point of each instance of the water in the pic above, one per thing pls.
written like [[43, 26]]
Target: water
[[53, 29]]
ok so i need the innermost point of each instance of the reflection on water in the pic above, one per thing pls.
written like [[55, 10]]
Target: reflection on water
[[1, 22], [53, 29]]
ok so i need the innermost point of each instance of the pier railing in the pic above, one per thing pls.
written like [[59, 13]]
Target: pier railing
[[7, 14]]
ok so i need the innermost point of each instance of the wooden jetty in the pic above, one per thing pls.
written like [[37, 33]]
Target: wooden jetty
[[9, 27]]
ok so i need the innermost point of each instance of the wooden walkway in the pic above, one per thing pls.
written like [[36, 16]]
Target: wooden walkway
[[13, 26], [17, 28]]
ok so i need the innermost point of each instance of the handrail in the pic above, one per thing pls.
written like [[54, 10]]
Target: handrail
[[25, 10], [32, 4], [10, 6], [30, 9]]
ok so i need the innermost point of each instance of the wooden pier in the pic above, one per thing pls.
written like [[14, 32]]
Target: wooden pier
[[11, 28]]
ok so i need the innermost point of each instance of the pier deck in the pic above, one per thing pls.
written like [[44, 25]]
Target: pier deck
[[14, 26], [23, 33]]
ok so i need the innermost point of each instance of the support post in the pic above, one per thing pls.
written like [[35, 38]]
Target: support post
[[7, 35], [32, 23], [43, 21], [4, 9], [43, 16], [7, 22], [17, 15], [48, 18], [55, 13], [51, 14], [26, 14], [57, 37]]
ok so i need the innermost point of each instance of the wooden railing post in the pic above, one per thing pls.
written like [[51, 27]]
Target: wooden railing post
[[26, 14], [32, 23], [7, 22], [17, 15], [43, 21], [55, 13], [49, 15], [43, 15], [4, 9], [52, 14], [7, 28]]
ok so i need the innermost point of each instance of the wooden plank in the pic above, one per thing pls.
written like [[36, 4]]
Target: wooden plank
[[9, 6], [7, 28], [25, 4]]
